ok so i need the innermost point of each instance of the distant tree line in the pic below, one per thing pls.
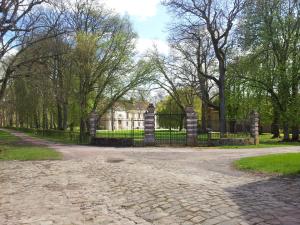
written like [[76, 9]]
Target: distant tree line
[[62, 61]]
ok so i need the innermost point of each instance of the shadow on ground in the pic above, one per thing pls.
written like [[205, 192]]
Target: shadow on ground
[[272, 201]]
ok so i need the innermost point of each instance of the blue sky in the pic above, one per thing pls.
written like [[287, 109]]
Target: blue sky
[[150, 21], [152, 27]]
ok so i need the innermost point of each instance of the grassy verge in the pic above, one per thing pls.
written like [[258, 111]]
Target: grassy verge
[[11, 148], [161, 136], [64, 137], [281, 164], [266, 141]]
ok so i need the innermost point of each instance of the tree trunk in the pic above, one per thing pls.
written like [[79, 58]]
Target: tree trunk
[[286, 132], [11, 122], [3, 85], [83, 106], [222, 113], [204, 111], [232, 125], [295, 133], [112, 119], [51, 120], [59, 117], [275, 128], [82, 130], [65, 114], [276, 121], [36, 120]]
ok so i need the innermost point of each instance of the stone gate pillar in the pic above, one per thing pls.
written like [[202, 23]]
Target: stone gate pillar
[[93, 124], [191, 126], [254, 127], [149, 126]]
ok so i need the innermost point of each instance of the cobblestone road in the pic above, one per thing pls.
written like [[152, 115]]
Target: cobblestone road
[[145, 186]]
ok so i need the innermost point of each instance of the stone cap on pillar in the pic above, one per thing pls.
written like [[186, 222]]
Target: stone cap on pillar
[[254, 113], [150, 108], [189, 109], [93, 114]]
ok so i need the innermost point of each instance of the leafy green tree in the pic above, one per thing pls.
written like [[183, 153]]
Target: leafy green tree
[[216, 19], [103, 63], [271, 31], [171, 114]]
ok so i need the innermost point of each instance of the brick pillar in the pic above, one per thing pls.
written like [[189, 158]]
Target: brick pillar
[[254, 127], [93, 124], [149, 126], [191, 126]]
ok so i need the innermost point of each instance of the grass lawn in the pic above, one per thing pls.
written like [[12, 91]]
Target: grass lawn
[[11, 148], [281, 164], [266, 141], [64, 137], [162, 137]]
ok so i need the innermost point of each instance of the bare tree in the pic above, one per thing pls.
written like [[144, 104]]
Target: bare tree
[[196, 65], [217, 17], [19, 19]]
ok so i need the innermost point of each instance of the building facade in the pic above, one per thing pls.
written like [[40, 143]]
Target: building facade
[[124, 116]]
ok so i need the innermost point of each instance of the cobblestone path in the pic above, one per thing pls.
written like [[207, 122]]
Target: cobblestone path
[[145, 186]]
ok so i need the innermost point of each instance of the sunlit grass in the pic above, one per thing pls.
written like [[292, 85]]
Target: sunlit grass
[[266, 141], [12, 148], [281, 164]]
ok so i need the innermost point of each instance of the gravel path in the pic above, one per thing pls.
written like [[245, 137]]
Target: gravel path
[[123, 186]]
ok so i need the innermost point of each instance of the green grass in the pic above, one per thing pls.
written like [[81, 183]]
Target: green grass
[[7, 138], [58, 139], [266, 141], [64, 137], [162, 137], [11, 148], [28, 153], [280, 164]]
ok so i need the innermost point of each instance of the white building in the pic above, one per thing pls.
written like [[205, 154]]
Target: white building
[[124, 116]]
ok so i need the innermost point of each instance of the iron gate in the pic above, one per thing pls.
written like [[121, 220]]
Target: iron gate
[[120, 132], [170, 129]]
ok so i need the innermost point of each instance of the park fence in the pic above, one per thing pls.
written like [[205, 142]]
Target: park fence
[[69, 137], [239, 130], [123, 132], [159, 129]]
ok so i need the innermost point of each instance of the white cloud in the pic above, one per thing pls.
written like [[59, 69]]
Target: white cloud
[[139, 8], [143, 45]]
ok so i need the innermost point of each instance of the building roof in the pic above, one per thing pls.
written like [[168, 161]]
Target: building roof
[[129, 105]]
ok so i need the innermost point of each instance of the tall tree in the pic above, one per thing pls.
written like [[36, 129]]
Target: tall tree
[[17, 20], [103, 60], [271, 33], [218, 18]]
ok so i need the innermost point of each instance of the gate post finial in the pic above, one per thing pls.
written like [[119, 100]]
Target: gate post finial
[[149, 126], [191, 126]]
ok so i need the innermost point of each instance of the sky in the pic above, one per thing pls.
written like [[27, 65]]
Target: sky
[[149, 19]]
